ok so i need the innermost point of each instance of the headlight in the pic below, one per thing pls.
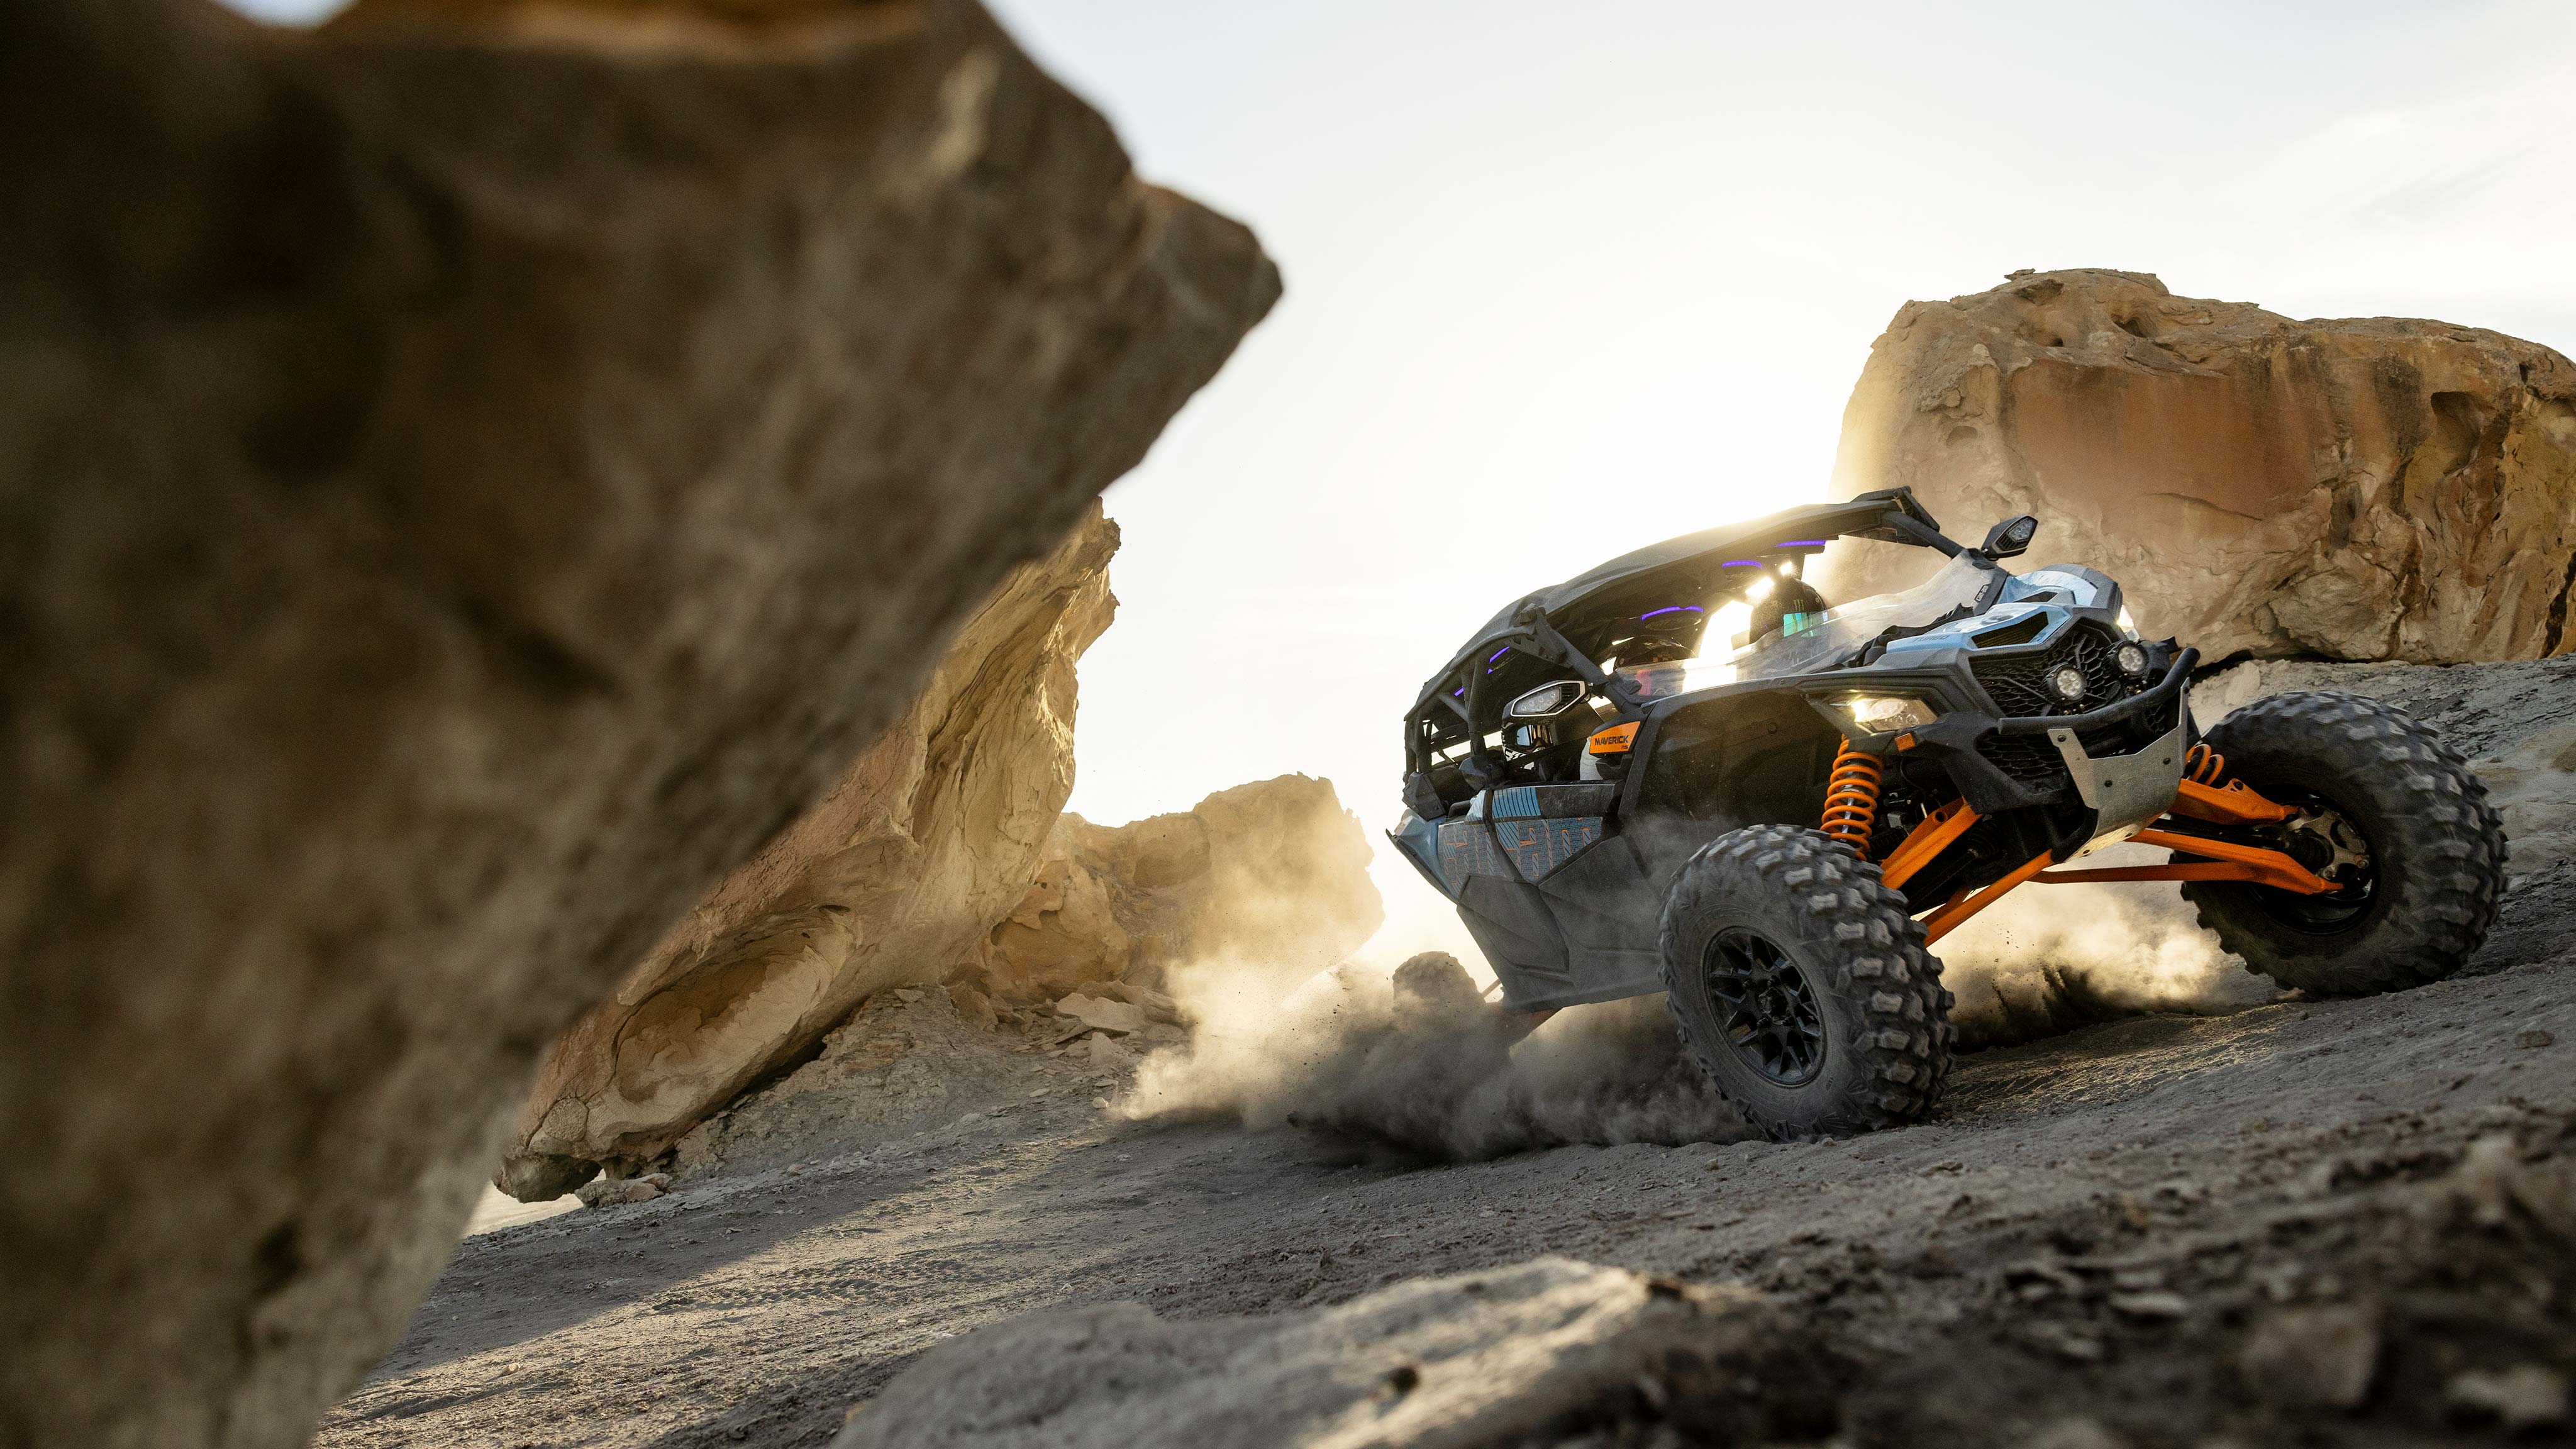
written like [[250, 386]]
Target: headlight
[[1881, 714], [1546, 700], [2067, 683], [2128, 625], [2131, 659]]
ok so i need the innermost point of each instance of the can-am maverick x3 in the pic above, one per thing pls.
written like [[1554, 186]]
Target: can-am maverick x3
[[1774, 833]]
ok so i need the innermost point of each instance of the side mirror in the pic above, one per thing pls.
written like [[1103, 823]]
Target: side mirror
[[2010, 537]]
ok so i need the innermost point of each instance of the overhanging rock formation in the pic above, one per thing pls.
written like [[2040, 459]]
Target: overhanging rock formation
[[1272, 875], [471, 477], [2379, 488], [927, 840]]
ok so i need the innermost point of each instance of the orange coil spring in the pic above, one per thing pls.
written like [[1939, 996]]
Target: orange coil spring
[[1851, 799], [2203, 765]]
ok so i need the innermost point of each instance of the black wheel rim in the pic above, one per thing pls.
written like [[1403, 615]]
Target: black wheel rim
[[1765, 1008], [2336, 911]]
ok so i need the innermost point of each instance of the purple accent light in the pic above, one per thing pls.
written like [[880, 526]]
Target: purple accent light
[[1670, 609], [1741, 563], [1800, 543], [1497, 654]]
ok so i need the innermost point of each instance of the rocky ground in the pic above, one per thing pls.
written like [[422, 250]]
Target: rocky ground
[[2329, 1222]]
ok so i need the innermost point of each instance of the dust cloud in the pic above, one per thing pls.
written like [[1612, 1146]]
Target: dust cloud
[[2048, 959], [1417, 1063]]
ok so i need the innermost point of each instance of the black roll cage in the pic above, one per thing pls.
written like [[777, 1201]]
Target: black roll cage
[[1591, 602]]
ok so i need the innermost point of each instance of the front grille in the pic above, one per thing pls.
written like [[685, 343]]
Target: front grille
[[2018, 684]]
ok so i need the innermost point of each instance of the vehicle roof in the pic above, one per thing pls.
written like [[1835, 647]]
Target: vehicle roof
[[1691, 570]]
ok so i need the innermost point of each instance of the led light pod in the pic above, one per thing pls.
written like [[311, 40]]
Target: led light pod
[[1546, 700], [1884, 713]]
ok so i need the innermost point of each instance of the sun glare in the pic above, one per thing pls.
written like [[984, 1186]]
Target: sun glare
[[1729, 623]]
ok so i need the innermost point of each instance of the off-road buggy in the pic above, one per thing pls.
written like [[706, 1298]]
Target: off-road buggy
[[1774, 827]]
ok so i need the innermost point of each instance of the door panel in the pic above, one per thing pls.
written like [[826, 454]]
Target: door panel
[[1512, 926]]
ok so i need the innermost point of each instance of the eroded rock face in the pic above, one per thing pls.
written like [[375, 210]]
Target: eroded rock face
[[1274, 872], [2376, 488], [926, 841], [467, 486]]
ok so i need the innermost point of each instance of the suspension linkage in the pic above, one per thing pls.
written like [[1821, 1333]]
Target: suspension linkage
[[2195, 798]]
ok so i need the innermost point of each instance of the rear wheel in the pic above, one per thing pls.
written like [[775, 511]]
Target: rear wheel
[[2388, 813], [1801, 985]]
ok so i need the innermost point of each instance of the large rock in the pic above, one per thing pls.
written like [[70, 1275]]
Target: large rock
[[928, 839], [2378, 488], [1273, 873], [465, 489], [1536, 1353]]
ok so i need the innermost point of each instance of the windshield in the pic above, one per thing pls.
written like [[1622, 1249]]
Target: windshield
[[1680, 676], [1822, 639], [1835, 633]]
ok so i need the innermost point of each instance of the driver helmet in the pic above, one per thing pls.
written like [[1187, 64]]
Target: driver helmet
[[1791, 607], [1665, 636]]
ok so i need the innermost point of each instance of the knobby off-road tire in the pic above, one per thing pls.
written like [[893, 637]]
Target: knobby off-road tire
[[2436, 847], [1881, 1019]]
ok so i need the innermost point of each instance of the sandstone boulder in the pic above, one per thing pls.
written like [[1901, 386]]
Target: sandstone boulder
[[2380, 488], [1062, 934], [1103, 1014], [471, 477], [1522, 1354], [1274, 872], [925, 842]]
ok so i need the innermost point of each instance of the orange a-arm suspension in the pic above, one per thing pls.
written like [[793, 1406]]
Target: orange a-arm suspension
[[2196, 798], [2230, 862], [1926, 841], [1960, 907]]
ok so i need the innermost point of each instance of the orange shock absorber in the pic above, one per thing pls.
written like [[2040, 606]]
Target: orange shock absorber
[[1851, 798], [2203, 765]]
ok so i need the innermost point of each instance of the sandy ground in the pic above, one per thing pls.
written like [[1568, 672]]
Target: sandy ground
[[759, 1309], [2106, 1237]]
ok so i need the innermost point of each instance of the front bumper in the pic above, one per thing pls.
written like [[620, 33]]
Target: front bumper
[[1977, 748]]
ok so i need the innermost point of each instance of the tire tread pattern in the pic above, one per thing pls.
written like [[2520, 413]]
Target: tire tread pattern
[[1882, 964], [2440, 918]]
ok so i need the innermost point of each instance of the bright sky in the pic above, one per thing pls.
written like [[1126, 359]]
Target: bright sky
[[1559, 287]]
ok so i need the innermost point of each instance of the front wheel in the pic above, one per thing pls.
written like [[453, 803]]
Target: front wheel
[[2390, 815], [1802, 986]]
